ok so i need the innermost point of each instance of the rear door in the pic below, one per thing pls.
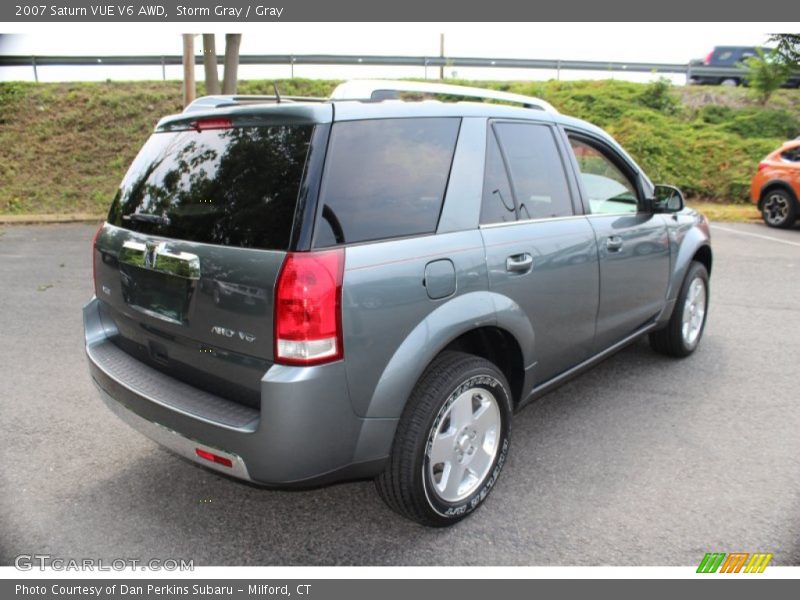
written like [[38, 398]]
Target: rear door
[[381, 195], [633, 246], [539, 252], [195, 239]]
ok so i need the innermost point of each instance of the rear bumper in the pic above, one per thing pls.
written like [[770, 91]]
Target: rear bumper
[[305, 433]]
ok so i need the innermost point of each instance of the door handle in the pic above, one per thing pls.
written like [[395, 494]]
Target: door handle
[[614, 243], [519, 263]]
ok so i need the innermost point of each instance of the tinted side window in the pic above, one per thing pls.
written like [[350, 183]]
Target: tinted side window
[[792, 155], [385, 178], [723, 56], [497, 205], [537, 173], [608, 189]]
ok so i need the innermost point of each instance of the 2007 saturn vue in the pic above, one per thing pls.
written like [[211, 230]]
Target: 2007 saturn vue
[[295, 292]]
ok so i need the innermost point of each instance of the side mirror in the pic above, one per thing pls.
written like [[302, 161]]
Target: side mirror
[[667, 199]]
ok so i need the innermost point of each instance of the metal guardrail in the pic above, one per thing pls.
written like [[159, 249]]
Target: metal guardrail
[[397, 61]]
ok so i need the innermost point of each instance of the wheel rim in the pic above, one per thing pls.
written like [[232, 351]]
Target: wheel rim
[[776, 209], [694, 312], [463, 444]]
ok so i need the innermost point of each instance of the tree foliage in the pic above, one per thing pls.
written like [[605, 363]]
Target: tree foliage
[[766, 73], [787, 47]]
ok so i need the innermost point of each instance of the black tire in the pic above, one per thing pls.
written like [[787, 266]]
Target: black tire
[[778, 209], [670, 340], [405, 483]]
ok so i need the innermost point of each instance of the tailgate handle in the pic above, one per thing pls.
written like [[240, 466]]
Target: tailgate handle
[[156, 256]]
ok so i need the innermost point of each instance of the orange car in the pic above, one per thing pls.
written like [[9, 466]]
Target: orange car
[[775, 188]]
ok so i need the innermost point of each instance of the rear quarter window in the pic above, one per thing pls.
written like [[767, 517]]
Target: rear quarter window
[[384, 178]]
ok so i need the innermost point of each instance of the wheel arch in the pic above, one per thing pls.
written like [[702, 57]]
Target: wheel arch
[[695, 245], [485, 323], [775, 184], [704, 256], [500, 348]]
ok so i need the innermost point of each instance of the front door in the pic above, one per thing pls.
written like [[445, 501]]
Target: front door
[[633, 246]]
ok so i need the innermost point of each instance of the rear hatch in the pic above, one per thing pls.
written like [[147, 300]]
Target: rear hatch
[[197, 233]]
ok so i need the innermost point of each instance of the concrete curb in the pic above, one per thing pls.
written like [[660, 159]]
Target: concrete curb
[[38, 219]]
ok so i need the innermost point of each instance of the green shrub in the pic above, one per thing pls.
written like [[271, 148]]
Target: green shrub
[[658, 96], [714, 114], [761, 123]]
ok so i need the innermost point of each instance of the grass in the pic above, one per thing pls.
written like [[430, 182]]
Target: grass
[[731, 213], [64, 147]]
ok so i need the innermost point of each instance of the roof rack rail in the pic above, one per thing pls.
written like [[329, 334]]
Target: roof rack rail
[[377, 89], [210, 102]]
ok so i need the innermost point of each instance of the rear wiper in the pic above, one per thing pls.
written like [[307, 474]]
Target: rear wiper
[[145, 218]]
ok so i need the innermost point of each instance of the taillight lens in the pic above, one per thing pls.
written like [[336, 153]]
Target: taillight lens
[[308, 314], [762, 165], [94, 256]]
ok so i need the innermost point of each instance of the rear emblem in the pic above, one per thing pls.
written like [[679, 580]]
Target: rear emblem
[[229, 333]]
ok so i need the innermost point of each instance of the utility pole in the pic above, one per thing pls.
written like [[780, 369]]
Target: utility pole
[[189, 91], [441, 55]]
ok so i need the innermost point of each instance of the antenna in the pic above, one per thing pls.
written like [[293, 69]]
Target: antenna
[[277, 94]]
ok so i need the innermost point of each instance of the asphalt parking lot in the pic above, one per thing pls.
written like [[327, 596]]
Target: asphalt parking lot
[[642, 461]]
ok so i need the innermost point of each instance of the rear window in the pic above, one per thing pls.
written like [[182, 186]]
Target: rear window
[[234, 187], [385, 178]]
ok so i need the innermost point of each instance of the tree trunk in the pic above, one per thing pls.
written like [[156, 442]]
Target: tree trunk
[[232, 43], [210, 64], [189, 91]]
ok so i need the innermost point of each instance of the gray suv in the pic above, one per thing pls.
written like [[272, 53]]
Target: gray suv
[[296, 292]]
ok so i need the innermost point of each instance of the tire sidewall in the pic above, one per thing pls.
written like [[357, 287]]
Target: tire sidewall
[[494, 383]]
